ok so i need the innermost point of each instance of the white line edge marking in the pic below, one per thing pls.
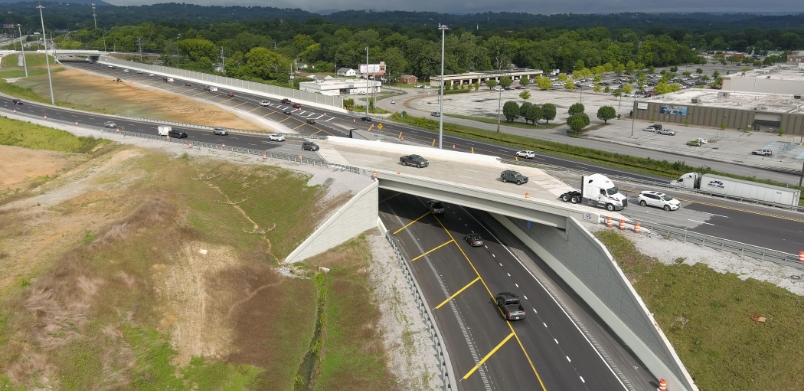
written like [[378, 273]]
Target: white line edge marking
[[554, 300], [525, 297], [555, 340], [568, 359]]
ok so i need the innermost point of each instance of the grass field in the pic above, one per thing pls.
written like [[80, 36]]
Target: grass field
[[706, 316], [119, 297], [27, 135]]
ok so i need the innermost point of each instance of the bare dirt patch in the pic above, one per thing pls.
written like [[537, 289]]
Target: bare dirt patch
[[20, 166], [103, 94]]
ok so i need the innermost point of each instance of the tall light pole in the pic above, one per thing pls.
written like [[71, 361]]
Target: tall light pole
[[443, 29], [22, 45], [367, 82], [94, 16], [47, 60]]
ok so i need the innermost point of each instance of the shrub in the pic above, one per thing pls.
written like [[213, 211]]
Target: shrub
[[576, 108]]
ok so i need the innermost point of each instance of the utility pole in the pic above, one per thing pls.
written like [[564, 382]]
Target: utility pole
[[443, 29], [367, 82], [139, 43], [47, 60], [94, 16], [223, 61], [22, 45]]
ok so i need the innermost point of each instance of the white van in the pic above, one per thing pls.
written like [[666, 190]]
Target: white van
[[212, 89], [164, 130], [169, 80]]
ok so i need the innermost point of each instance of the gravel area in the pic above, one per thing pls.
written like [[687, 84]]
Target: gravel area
[[668, 250], [409, 347]]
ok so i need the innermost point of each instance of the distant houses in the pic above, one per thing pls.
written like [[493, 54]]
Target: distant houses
[[349, 72]]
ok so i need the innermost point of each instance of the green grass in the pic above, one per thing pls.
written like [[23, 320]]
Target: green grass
[[375, 110], [706, 316], [504, 122], [27, 135], [646, 165], [15, 73]]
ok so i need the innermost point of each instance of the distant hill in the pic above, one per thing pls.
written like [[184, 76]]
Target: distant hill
[[23, 2]]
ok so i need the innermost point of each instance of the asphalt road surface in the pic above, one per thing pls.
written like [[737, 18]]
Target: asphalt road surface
[[545, 351]]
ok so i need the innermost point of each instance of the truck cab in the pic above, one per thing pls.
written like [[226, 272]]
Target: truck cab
[[600, 190], [687, 181], [510, 306]]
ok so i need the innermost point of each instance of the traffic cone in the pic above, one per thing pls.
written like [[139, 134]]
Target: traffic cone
[[76, 122], [190, 144], [45, 116], [374, 175], [453, 146], [636, 228], [15, 110], [608, 222], [662, 385], [264, 157], [223, 146], [801, 256], [527, 195], [622, 225]]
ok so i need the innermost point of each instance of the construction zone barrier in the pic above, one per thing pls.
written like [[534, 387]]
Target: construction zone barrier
[[662, 385], [264, 156], [622, 225], [608, 222], [190, 144], [527, 195], [374, 175], [636, 228], [801, 256]]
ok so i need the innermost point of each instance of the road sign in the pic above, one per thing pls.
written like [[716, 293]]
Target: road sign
[[379, 126]]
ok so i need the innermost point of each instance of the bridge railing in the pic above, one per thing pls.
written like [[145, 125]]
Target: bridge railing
[[277, 91]]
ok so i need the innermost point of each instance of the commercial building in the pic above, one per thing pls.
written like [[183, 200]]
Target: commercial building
[[484, 76], [796, 59], [778, 79], [747, 111], [334, 87]]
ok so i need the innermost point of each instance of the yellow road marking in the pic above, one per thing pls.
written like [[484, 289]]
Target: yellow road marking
[[246, 102], [457, 293], [527, 356], [299, 126], [388, 197], [428, 252], [488, 355], [272, 112], [289, 117], [198, 93], [410, 223], [256, 108]]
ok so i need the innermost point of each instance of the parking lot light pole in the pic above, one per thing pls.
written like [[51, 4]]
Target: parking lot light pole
[[47, 60], [633, 112], [367, 82], [443, 28]]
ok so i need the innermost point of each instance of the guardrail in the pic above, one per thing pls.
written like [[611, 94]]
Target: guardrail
[[424, 310], [230, 130], [661, 185], [333, 101], [742, 249]]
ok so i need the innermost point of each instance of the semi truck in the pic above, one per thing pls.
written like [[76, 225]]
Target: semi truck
[[597, 190], [737, 188]]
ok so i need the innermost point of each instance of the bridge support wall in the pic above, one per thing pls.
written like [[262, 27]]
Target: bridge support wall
[[588, 267]]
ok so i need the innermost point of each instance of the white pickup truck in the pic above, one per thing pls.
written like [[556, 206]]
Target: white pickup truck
[[762, 152]]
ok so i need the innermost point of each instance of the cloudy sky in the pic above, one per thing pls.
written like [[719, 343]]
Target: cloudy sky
[[530, 6]]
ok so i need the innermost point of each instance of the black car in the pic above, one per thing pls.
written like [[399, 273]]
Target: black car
[[573, 196], [311, 121], [414, 160], [16, 101], [435, 207], [367, 119], [513, 176], [474, 240], [177, 133], [286, 101], [309, 146], [188, 84]]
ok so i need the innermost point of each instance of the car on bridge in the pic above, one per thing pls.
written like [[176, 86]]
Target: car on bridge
[[414, 160], [435, 207], [474, 240], [513, 176], [264, 103], [526, 154], [109, 124], [220, 132], [276, 137], [510, 306], [309, 146], [286, 101]]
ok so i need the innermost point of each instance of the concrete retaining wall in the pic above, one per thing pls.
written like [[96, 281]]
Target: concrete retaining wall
[[587, 266], [356, 216]]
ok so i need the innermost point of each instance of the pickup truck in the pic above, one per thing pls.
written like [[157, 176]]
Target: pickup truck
[[414, 160], [509, 305], [762, 152]]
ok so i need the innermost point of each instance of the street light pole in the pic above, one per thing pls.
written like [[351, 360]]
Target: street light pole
[[443, 29], [94, 16], [633, 116], [367, 83], [47, 60], [22, 45]]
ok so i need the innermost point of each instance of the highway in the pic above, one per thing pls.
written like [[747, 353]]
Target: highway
[[771, 228], [545, 351]]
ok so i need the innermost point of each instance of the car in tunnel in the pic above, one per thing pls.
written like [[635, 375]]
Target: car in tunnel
[[474, 240]]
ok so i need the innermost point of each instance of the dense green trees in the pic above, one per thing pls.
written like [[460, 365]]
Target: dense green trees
[[548, 112], [606, 113], [511, 111]]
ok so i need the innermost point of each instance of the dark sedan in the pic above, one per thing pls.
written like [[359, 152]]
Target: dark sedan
[[474, 240]]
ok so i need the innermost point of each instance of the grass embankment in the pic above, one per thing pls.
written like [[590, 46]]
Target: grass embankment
[[182, 293], [707, 317], [35, 62], [633, 163]]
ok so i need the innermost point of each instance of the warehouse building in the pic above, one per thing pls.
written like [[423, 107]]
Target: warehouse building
[[335, 87]]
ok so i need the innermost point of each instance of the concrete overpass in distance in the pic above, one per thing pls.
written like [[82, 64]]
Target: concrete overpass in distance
[[533, 213]]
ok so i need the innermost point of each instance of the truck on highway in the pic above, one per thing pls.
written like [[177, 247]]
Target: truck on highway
[[510, 307], [163, 130], [737, 188], [211, 88], [597, 190]]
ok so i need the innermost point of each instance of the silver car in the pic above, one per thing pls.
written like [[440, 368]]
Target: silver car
[[276, 137], [667, 132], [220, 132], [109, 124]]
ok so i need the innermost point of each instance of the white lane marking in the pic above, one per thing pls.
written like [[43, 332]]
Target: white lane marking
[[509, 274], [501, 265], [555, 340], [582, 380], [568, 359], [517, 285], [251, 144], [472, 170], [525, 297], [701, 222], [545, 324], [493, 256], [712, 214]]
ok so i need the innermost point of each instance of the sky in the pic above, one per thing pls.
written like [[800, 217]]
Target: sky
[[530, 6]]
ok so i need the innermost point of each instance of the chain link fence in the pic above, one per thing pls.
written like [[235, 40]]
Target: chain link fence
[[429, 321], [282, 92]]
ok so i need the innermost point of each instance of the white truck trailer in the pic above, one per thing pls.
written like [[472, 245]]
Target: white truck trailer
[[597, 190], [164, 130], [739, 189]]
